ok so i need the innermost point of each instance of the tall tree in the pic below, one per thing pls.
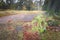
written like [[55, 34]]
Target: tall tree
[[52, 4]]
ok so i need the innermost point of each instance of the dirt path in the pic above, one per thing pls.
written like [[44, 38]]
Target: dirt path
[[21, 17]]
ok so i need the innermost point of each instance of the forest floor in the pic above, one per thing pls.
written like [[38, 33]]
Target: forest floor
[[18, 18]]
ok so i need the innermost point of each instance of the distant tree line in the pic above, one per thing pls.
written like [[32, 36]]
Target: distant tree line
[[19, 5]]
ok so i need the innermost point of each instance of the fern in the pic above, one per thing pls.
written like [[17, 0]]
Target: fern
[[41, 24]]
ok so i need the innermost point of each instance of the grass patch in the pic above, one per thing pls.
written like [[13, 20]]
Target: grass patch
[[12, 12]]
